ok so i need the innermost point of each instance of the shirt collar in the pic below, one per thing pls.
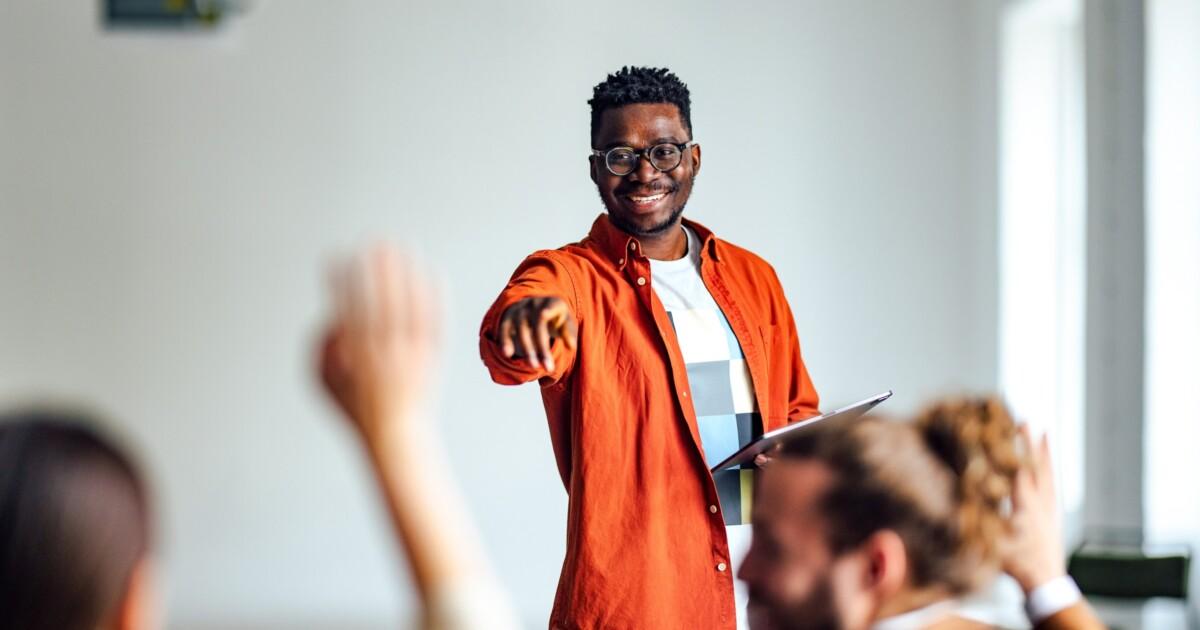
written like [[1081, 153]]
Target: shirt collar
[[620, 246], [919, 618]]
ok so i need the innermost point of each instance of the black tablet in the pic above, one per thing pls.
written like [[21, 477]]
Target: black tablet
[[768, 441]]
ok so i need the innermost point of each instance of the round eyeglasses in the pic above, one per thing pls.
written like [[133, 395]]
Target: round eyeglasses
[[621, 161]]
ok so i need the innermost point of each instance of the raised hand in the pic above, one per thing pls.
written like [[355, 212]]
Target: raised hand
[[380, 350]]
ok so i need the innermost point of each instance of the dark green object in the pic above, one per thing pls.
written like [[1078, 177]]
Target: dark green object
[[1131, 572], [173, 14]]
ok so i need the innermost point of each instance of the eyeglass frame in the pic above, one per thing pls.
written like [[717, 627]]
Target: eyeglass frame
[[644, 153]]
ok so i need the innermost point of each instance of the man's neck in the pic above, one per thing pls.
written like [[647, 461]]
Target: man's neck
[[671, 244]]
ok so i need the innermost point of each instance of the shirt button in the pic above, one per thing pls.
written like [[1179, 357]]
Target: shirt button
[[712, 509], [721, 567], [621, 262], [685, 394], [632, 245], [641, 281]]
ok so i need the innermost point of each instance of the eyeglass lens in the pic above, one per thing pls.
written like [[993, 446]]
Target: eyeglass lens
[[623, 161]]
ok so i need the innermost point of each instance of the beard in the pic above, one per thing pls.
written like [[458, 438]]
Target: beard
[[625, 225], [654, 230], [815, 612]]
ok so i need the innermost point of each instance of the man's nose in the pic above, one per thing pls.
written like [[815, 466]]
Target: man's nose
[[644, 171]]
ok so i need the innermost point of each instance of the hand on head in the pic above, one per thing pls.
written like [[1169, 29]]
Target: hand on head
[[1033, 550], [380, 350]]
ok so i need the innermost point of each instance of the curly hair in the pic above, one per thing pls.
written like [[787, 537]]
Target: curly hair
[[635, 84], [940, 481]]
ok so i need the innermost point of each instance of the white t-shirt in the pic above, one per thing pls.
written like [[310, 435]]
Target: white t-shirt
[[722, 393]]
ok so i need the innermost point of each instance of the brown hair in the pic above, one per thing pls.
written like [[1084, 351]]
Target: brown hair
[[73, 522], [941, 482]]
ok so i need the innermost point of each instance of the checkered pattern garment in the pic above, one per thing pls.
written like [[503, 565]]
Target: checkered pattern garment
[[721, 390]]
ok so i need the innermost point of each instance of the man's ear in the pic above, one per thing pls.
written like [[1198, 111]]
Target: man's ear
[[138, 607], [887, 558], [695, 159], [593, 164]]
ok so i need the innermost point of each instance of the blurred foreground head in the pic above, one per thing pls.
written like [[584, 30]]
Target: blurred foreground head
[[867, 519], [74, 527]]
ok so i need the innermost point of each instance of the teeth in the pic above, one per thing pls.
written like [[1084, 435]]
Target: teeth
[[650, 199]]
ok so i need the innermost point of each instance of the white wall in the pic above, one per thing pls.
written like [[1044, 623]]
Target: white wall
[[166, 203]]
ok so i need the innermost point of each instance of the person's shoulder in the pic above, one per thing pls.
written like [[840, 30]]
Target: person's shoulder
[[741, 258], [578, 258], [583, 253], [728, 249]]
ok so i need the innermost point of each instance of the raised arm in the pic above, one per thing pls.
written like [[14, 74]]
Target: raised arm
[[378, 360]]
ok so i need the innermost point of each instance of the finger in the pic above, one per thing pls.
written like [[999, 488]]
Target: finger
[[1024, 488], [412, 305], [1025, 437], [543, 340], [334, 366], [562, 323], [571, 333], [389, 286], [1028, 454], [1046, 469], [506, 337], [525, 334], [1044, 464]]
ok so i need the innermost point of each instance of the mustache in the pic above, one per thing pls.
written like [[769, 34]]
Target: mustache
[[646, 190]]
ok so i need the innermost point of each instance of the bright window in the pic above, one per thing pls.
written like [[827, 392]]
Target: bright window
[[1173, 270], [1042, 227]]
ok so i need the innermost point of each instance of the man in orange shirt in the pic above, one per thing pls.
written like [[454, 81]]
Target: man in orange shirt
[[660, 350]]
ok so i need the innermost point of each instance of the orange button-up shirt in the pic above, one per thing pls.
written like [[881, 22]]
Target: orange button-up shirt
[[645, 548]]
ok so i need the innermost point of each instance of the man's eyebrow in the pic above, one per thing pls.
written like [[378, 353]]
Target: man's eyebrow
[[655, 142]]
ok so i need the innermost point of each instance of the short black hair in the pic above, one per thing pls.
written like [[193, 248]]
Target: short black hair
[[74, 521], [635, 84]]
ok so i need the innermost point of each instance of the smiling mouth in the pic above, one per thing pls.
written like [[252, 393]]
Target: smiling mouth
[[646, 201]]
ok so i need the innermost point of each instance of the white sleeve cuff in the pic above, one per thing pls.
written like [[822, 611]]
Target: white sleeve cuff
[[470, 603], [1051, 598]]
